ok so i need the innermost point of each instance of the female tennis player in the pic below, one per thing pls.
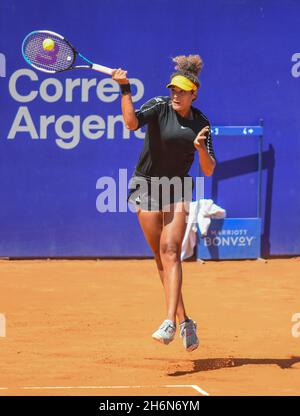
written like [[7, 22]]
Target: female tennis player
[[175, 130]]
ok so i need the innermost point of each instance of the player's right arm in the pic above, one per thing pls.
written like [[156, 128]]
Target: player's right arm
[[128, 111]]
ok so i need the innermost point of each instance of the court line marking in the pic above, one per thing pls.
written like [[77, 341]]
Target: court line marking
[[193, 386]]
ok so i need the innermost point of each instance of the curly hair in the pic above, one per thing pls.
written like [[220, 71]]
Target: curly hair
[[189, 66]]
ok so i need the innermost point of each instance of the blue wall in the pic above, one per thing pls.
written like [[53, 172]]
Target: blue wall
[[48, 192]]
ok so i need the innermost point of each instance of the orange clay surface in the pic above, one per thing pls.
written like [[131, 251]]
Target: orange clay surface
[[87, 324]]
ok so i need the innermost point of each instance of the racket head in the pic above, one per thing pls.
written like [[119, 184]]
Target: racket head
[[60, 58]]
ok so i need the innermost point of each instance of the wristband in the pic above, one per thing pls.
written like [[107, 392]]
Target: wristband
[[125, 89]]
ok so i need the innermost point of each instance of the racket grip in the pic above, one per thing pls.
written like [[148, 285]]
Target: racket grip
[[102, 68]]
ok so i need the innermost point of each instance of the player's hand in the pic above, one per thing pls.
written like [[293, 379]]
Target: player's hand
[[120, 76], [201, 136]]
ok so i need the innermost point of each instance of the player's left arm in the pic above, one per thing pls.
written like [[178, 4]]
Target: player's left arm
[[206, 157]]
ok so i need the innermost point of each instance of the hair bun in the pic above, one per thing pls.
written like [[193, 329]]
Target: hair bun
[[191, 63]]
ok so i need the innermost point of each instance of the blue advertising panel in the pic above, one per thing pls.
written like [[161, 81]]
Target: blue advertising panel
[[230, 238]]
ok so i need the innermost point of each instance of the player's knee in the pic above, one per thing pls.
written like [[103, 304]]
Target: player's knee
[[170, 251]]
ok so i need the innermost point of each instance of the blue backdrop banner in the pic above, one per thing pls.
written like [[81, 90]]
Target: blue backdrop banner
[[63, 144]]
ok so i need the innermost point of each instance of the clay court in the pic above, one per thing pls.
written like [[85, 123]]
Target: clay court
[[83, 327]]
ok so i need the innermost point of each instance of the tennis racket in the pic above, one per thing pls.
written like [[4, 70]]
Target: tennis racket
[[50, 52]]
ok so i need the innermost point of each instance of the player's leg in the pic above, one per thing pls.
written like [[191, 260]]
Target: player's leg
[[174, 225], [151, 223]]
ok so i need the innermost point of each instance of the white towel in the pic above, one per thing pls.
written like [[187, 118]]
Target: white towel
[[200, 213]]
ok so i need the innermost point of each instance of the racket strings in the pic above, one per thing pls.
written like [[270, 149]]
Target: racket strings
[[60, 58]]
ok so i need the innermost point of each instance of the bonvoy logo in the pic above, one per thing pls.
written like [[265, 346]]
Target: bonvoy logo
[[296, 67], [235, 238]]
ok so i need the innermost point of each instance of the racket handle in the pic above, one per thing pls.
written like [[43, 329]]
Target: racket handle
[[102, 68]]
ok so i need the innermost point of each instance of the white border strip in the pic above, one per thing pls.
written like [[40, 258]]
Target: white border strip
[[193, 386]]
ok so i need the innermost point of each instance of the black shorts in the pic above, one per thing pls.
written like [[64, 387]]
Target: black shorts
[[159, 193]]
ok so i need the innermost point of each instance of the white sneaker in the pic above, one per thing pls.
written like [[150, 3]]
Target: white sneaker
[[165, 333], [188, 335]]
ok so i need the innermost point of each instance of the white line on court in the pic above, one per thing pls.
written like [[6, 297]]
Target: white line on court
[[193, 386]]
